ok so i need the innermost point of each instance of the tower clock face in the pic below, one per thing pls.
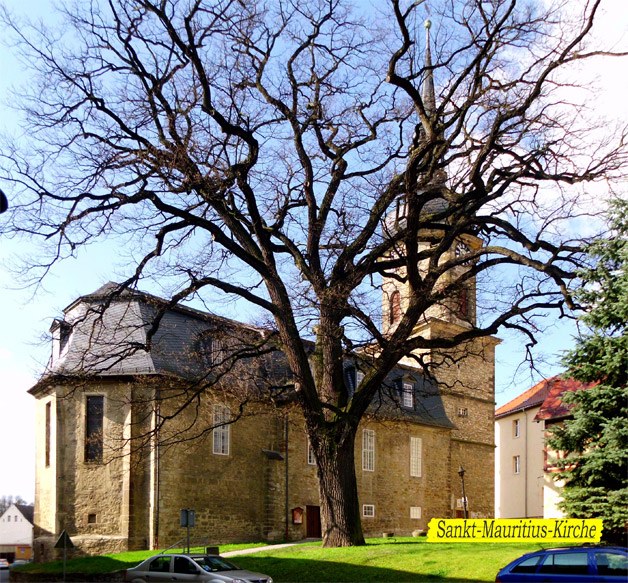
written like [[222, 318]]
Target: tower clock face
[[462, 249]]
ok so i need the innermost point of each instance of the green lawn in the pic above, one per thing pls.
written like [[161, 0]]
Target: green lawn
[[394, 560]]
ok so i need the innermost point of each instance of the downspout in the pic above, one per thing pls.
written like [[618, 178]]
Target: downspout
[[287, 518], [525, 464]]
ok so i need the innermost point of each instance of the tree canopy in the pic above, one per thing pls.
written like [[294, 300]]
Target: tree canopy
[[300, 157], [595, 438]]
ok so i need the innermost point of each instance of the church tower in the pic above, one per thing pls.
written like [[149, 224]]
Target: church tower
[[465, 374], [458, 310]]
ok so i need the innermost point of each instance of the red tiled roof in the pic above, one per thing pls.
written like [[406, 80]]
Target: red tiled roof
[[530, 398], [553, 406]]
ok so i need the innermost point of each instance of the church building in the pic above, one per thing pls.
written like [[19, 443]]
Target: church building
[[126, 439]]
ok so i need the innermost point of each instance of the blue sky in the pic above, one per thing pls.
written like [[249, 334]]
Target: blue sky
[[27, 314]]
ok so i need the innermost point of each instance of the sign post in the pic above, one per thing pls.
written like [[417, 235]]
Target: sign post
[[64, 542], [188, 519]]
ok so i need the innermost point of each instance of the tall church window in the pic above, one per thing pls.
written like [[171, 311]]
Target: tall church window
[[368, 450], [463, 303], [94, 417], [416, 461], [394, 312], [47, 430], [221, 432]]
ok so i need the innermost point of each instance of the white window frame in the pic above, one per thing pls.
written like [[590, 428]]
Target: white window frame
[[407, 395], [368, 510], [368, 450], [416, 457], [221, 434], [311, 458], [415, 512], [516, 427], [359, 377], [516, 464]]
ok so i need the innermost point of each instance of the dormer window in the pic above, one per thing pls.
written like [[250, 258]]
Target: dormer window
[[61, 334], [407, 395], [65, 331], [210, 348]]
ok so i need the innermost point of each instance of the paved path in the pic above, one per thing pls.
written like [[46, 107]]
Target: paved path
[[266, 548]]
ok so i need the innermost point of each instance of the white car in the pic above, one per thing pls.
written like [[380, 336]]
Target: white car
[[4, 564], [205, 568]]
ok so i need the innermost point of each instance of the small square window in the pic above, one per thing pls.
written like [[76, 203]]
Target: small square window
[[91, 519], [368, 510], [415, 512], [463, 412]]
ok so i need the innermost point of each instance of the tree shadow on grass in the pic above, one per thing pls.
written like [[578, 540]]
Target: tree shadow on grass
[[311, 571]]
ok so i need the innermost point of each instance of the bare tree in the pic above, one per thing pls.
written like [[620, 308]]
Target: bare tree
[[305, 158]]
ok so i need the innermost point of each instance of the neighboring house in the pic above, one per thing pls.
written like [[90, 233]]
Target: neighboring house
[[16, 533], [524, 482]]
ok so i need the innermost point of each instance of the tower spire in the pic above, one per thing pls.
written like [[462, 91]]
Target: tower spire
[[429, 94]]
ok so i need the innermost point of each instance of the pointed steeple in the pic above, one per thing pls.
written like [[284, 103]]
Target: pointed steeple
[[429, 94]]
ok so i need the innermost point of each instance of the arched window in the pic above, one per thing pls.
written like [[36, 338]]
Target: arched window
[[394, 312], [463, 303]]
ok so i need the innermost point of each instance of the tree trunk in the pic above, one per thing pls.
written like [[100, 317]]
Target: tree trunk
[[340, 510]]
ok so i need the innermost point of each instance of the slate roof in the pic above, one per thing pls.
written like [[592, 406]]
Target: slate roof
[[110, 331]]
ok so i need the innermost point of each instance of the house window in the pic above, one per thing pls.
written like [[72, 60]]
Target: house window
[[463, 412], [407, 397], [416, 462], [94, 417], [394, 311], [516, 464], [415, 512], [368, 450], [47, 430], [222, 416], [359, 377], [516, 428], [368, 510], [9, 518], [91, 519]]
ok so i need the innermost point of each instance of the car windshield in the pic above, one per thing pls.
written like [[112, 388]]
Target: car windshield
[[215, 564]]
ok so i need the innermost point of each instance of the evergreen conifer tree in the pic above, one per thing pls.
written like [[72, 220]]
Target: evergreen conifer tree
[[595, 438]]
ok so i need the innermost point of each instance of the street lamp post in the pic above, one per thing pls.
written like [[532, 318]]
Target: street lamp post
[[461, 472]]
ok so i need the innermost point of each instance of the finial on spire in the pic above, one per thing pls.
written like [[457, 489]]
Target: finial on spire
[[429, 94]]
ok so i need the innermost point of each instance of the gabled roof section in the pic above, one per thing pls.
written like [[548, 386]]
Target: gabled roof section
[[547, 395], [533, 397], [553, 407], [28, 511]]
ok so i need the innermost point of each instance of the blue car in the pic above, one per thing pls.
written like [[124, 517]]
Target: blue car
[[578, 564]]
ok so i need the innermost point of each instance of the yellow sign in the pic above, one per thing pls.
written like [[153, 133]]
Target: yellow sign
[[508, 530]]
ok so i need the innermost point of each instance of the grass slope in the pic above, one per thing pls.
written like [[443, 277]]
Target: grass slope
[[394, 560]]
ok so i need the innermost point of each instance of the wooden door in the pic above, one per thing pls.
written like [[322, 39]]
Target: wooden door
[[313, 522]]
